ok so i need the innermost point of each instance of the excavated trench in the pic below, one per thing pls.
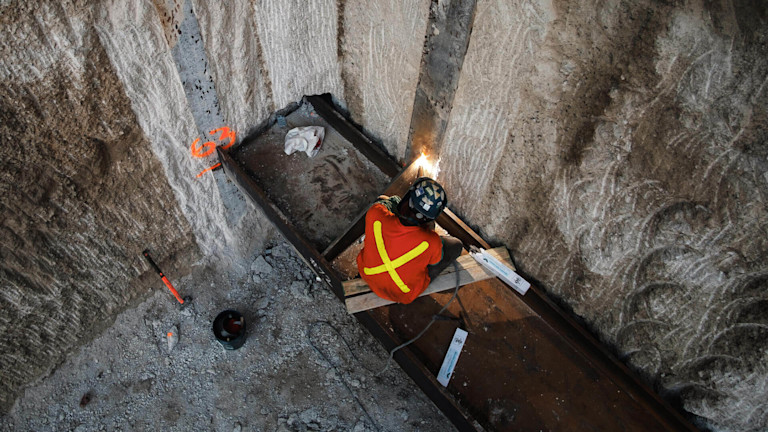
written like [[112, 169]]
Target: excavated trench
[[616, 149]]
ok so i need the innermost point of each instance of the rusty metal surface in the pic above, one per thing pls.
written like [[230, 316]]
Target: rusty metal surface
[[526, 365], [320, 195]]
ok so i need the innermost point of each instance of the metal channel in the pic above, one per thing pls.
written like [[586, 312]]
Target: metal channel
[[415, 370]]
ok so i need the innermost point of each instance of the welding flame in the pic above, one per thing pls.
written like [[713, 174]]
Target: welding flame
[[427, 168]]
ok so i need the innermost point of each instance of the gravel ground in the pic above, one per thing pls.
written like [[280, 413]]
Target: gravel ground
[[306, 365]]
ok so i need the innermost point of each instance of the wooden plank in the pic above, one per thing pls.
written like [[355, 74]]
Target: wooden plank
[[358, 286], [445, 281]]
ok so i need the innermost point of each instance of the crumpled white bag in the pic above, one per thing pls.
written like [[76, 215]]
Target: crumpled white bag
[[307, 139]]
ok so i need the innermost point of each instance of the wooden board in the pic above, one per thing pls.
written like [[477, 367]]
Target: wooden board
[[360, 298]]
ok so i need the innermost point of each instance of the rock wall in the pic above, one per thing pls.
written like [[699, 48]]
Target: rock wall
[[82, 192], [619, 150]]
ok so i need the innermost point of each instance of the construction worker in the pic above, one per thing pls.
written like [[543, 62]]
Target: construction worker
[[402, 252]]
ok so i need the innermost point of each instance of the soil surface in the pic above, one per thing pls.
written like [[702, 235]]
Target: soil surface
[[306, 364]]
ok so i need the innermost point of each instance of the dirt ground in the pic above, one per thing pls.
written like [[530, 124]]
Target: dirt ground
[[306, 364]]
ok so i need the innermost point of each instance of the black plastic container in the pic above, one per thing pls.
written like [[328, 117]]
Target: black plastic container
[[229, 329]]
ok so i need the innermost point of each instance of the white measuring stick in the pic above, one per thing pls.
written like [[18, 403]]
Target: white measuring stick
[[500, 269], [451, 357]]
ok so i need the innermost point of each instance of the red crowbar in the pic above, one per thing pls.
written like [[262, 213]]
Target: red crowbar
[[162, 276]]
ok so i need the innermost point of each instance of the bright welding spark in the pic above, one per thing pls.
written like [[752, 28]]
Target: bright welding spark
[[428, 168]]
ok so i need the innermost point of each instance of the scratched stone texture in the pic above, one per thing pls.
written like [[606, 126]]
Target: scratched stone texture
[[81, 193], [133, 38], [299, 40], [619, 150], [236, 63], [504, 40], [381, 50]]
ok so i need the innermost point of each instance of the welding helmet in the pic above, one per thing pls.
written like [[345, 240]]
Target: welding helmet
[[426, 198]]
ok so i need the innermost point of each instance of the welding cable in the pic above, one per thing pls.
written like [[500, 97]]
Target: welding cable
[[335, 368], [434, 318]]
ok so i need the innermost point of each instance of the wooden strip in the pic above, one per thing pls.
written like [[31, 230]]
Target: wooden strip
[[445, 281], [358, 286]]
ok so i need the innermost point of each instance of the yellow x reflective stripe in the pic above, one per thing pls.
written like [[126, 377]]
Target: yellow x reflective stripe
[[390, 266]]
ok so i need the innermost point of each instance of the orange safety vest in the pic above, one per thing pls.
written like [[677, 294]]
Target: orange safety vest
[[394, 258]]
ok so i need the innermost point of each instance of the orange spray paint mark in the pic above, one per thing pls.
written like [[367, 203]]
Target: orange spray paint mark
[[200, 151], [173, 290], [207, 148], [211, 168]]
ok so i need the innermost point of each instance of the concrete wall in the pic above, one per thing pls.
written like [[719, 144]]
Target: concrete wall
[[617, 148]]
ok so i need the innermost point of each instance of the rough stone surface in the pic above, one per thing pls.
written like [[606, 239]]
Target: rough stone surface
[[381, 51], [236, 63], [448, 35], [300, 48], [134, 39], [306, 365], [620, 152]]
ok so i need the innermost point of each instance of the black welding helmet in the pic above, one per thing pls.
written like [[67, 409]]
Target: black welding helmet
[[426, 198]]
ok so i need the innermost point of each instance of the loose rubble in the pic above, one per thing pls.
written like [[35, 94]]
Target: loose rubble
[[159, 366]]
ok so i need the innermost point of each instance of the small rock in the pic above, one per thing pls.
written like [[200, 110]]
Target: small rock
[[237, 427], [256, 278], [173, 338], [309, 416], [261, 266], [86, 399], [403, 414]]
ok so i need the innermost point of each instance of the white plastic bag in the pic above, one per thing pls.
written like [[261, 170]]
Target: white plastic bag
[[307, 139]]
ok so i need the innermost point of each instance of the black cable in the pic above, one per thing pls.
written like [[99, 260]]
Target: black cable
[[335, 368], [434, 318]]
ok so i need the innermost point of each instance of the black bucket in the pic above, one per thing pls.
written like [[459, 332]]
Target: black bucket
[[229, 329]]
